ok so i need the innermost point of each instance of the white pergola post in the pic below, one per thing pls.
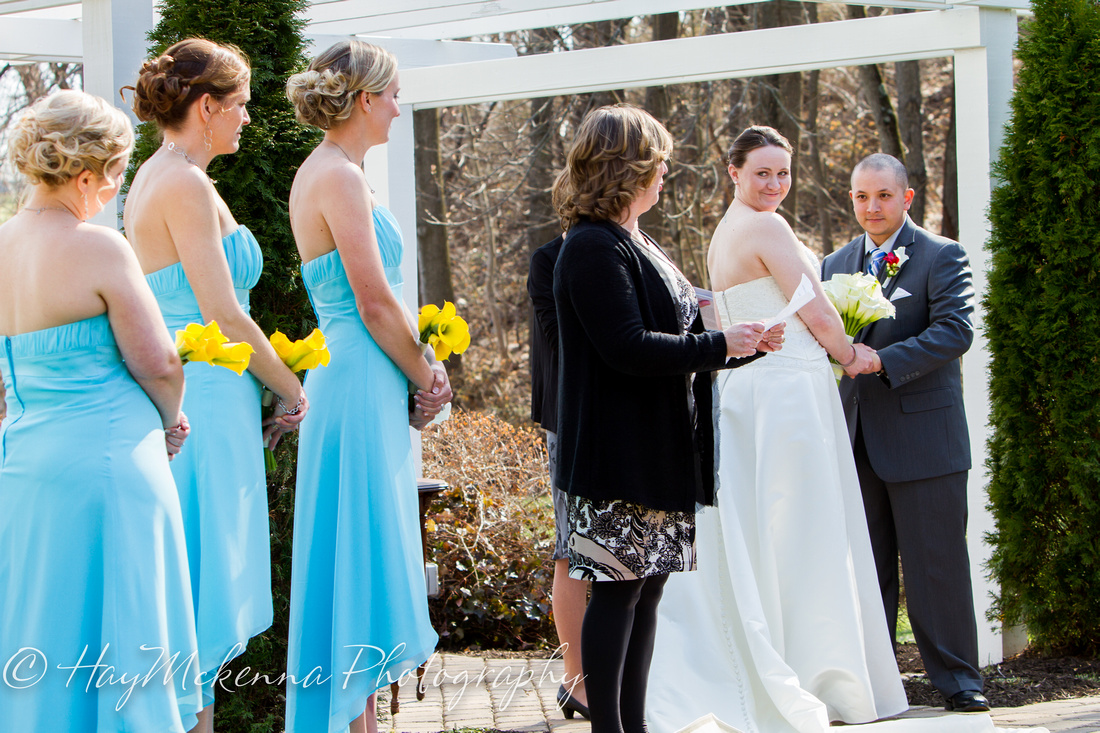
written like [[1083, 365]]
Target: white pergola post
[[114, 39], [983, 88]]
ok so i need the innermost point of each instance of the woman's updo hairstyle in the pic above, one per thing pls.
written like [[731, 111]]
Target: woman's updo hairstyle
[[751, 138], [324, 94], [617, 153], [67, 133], [168, 84]]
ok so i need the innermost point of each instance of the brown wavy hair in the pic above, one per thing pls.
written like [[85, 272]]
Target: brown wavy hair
[[167, 85], [616, 154], [751, 138]]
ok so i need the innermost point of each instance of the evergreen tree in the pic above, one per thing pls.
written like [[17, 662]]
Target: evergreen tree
[[1043, 325], [255, 183]]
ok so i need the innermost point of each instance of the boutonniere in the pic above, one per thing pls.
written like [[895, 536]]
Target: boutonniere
[[894, 260]]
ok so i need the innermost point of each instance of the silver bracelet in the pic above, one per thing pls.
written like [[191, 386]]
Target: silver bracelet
[[297, 407]]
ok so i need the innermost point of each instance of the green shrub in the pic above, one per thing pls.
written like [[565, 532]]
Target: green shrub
[[1043, 325], [491, 533]]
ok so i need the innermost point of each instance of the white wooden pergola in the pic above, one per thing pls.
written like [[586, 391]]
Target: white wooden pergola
[[108, 36]]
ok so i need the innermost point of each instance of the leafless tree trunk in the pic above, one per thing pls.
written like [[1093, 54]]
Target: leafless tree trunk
[[949, 227], [656, 222], [434, 260], [882, 107], [780, 95], [482, 193], [817, 168], [911, 123]]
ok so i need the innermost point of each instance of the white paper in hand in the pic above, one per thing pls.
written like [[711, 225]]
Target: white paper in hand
[[803, 294]]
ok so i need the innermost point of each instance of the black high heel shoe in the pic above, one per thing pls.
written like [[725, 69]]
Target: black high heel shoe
[[569, 704]]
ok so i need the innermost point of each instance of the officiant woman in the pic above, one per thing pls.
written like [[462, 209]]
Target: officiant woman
[[634, 434]]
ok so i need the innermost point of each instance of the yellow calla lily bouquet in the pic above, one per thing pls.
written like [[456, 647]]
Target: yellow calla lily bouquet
[[197, 342], [302, 354], [443, 330], [308, 353]]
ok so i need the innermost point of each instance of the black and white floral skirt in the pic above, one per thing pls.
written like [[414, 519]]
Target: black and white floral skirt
[[621, 540]]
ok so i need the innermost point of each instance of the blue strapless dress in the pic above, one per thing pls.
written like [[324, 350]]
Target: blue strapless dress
[[358, 603], [92, 553], [220, 476]]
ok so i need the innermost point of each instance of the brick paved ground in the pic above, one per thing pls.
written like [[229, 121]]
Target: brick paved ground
[[519, 695]]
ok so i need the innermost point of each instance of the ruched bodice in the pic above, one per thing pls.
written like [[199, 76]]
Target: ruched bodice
[[60, 366], [177, 299], [758, 300], [328, 285]]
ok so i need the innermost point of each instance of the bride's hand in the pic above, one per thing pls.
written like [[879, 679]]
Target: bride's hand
[[742, 339], [773, 338]]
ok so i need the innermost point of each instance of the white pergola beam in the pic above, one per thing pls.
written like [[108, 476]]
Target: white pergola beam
[[54, 40], [733, 55], [464, 19], [414, 53], [8, 7]]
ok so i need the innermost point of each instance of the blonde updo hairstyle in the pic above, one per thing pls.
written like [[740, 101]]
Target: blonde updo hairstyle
[[616, 154], [324, 95], [69, 132], [168, 85]]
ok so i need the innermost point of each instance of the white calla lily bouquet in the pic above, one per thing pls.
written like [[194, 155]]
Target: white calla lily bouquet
[[859, 299]]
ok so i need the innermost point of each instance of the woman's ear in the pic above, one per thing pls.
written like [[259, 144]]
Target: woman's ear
[[206, 105]]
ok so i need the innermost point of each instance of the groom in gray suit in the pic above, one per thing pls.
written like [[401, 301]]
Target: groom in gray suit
[[905, 417]]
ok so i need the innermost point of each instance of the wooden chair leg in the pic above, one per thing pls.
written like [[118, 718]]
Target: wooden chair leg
[[420, 682], [395, 704]]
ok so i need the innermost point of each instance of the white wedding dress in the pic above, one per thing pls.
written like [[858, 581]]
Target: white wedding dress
[[781, 629]]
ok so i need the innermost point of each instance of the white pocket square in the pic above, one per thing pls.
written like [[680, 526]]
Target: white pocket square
[[899, 294]]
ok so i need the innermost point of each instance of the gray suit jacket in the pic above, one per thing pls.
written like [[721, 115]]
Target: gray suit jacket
[[913, 421]]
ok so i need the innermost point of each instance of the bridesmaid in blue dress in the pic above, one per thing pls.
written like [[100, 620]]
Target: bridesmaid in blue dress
[[358, 604], [201, 265], [93, 564]]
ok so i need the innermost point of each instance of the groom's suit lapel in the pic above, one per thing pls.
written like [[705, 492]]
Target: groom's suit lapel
[[906, 238]]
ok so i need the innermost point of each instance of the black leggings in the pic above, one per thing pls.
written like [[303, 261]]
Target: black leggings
[[616, 650]]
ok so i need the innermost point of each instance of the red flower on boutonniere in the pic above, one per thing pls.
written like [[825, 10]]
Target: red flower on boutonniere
[[894, 260]]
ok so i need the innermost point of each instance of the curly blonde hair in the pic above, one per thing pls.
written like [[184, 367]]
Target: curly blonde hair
[[67, 133], [616, 154], [324, 94], [167, 85]]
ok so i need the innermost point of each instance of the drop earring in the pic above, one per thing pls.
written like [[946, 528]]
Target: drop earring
[[207, 139], [84, 195]]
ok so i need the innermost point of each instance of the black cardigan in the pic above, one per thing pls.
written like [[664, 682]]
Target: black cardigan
[[544, 336], [625, 425]]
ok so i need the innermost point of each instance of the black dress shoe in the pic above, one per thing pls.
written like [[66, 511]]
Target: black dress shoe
[[968, 701], [570, 705]]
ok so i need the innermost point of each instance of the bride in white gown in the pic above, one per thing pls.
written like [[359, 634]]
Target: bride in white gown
[[782, 628]]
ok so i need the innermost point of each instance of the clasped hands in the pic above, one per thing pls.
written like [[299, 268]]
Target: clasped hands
[[745, 339], [428, 403], [281, 422], [864, 360]]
